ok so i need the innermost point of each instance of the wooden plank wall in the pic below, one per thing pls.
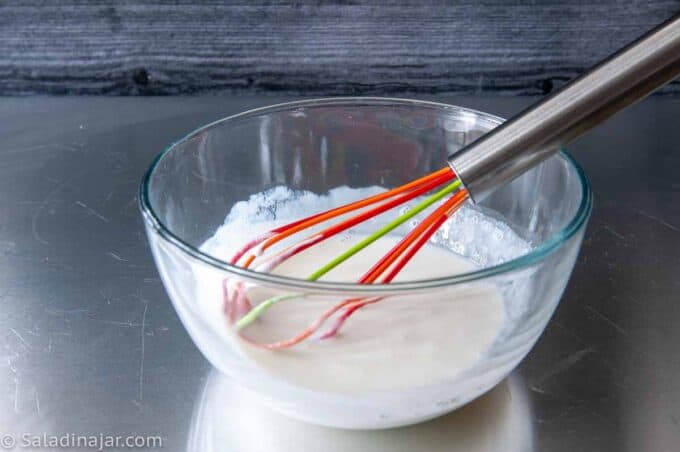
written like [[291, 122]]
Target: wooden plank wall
[[380, 47]]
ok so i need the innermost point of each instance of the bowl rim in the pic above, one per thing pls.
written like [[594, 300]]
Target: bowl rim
[[534, 256]]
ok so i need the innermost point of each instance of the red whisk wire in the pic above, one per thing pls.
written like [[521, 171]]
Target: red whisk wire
[[350, 222], [417, 240]]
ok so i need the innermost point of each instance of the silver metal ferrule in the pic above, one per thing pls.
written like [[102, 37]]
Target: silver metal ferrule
[[536, 133]]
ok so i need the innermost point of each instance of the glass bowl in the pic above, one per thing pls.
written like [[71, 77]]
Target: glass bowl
[[318, 145]]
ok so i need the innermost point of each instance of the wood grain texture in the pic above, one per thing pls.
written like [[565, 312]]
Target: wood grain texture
[[112, 47]]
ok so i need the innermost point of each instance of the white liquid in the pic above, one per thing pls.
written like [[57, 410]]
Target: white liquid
[[413, 347], [397, 343]]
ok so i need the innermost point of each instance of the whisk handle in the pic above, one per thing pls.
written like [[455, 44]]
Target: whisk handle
[[536, 133]]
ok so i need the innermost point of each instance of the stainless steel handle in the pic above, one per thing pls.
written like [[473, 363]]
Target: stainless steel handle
[[530, 137]]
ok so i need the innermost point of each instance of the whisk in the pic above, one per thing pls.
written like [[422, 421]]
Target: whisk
[[472, 173]]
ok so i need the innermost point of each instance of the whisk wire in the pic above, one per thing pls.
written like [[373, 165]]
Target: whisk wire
[[385, 230], [282, 232], [394, 260]]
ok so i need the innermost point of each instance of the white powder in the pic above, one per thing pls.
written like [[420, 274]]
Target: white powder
[[470, 233]]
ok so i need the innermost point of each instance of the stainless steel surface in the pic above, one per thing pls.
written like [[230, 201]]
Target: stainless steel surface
[[530, 137], [90, 343]]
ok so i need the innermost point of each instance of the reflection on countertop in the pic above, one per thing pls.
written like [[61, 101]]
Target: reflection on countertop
[[228, 417]]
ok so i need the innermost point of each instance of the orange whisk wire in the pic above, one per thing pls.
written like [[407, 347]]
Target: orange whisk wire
[[348, 223]]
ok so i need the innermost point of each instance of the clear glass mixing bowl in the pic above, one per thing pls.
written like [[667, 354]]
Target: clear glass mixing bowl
[[317, 145]]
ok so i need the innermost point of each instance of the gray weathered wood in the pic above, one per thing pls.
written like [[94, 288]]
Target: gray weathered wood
[[111, 47]]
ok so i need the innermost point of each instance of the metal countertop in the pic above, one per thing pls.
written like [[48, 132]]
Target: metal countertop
[[91, 345]]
